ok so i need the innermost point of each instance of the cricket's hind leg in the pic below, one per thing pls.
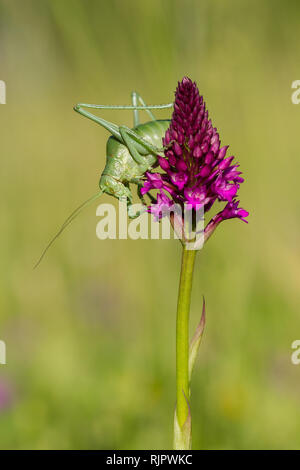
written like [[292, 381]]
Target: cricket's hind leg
[[112, 128], [136, 99]]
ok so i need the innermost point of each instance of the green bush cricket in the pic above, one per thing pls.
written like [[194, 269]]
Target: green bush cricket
[[129, 154]]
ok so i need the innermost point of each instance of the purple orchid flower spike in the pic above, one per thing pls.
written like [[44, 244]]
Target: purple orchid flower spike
[[195, 169]]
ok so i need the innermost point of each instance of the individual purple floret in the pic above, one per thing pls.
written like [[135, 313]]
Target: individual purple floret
[[195, 169]]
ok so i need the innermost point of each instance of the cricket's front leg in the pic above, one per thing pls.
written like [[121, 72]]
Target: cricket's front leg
[[110, 185], [140, 183], [133, 213], [140, 195]]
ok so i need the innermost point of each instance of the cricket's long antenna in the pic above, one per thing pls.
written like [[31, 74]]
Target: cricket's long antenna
[[71, 217]]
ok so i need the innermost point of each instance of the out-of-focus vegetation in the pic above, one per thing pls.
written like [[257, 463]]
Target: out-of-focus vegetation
[[90, 334]]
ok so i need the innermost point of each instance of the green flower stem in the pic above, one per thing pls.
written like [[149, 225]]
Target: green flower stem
[[182, 334]]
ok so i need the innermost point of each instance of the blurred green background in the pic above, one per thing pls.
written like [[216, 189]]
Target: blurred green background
[[90, 335]]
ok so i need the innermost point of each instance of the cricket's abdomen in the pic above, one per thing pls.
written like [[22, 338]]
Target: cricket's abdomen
[[119, 162], [153, 131]]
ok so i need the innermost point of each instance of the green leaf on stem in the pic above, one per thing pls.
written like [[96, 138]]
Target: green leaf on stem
[[195, 342], [183, 435]]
